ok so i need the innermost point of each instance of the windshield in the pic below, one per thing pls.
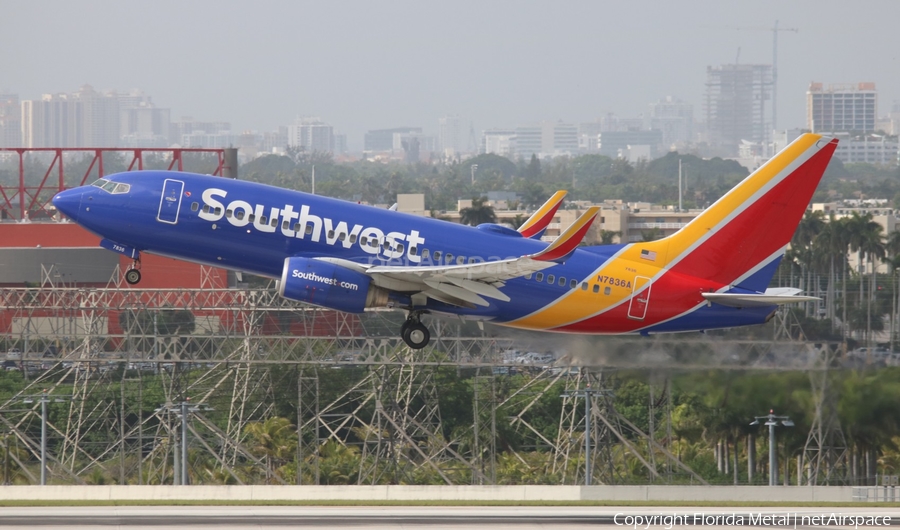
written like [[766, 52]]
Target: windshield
[[111, 187]]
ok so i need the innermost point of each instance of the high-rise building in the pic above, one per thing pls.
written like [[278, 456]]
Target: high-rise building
[[10, 121], [99, 117], [674, 118], [85, 118], [311, 134], [141, 123], [841, 108], [449, 135], [546, 139], [383, 139], [50, 122], [736, 96], [499, 142]]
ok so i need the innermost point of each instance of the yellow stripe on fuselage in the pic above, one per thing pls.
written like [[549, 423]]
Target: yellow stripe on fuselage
[[578, 305]]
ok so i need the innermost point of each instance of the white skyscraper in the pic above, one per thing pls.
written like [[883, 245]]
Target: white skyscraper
[[449, 135]]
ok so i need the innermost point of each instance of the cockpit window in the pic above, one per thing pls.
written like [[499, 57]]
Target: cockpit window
[[111, 187]]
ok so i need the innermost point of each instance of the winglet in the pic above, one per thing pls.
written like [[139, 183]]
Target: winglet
[[566, 243], [534, 227]]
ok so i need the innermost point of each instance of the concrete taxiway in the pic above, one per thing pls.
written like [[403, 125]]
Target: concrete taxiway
[[408, 517]]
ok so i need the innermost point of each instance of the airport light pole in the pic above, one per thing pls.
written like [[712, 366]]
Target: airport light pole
[[772, 420], [44, 398]]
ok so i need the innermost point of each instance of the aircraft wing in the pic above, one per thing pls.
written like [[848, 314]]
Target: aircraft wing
[[775, 296], [535, 226], [469, 284]]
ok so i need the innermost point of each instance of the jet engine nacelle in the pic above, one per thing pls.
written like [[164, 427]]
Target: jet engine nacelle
[[328, 285]]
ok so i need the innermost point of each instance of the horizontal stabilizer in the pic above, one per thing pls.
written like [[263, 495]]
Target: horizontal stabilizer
[[569, 240], [777, 296], [536, 224]]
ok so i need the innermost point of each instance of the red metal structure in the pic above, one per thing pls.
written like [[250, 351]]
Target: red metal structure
[[35, 199]]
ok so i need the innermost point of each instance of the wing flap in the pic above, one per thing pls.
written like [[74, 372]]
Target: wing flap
[[769, 298], [457, 292]]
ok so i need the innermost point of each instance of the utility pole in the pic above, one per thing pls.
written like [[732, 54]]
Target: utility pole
[[44, 399], [771, 421], [588, 394], [180, 457]]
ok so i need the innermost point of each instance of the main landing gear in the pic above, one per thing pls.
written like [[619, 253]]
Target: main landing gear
[[413, 332], [133, 275]]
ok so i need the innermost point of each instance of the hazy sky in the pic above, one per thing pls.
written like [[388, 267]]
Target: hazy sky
[[363, 65]]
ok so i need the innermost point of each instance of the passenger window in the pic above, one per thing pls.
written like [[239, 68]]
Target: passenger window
[[539, 277], [342, 236], [425, 253], [460, 260], [264, 220], [353, 238], [562, 281], [528, 276], [437, 255], [596, 288], [573, 284], [584, 286], [239, 215], [330, 234], [228, 212], [251, 217], [218, 210], [308, 229], [607, 290], [400, 248], [205, 208], [195, 206], [551, 279], [413, 251], [363, 241], [449, 257], [274, 222]]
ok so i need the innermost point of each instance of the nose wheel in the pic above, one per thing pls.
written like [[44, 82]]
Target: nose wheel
[[414, 333], [133, 275]]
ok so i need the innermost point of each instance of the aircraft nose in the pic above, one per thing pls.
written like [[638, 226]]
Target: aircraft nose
[[69, 202]]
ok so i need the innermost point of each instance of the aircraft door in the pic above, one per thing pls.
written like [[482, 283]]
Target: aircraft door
[[640, 298], [170, 202]]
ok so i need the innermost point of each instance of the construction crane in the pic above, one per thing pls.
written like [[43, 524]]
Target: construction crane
[[774, 29]]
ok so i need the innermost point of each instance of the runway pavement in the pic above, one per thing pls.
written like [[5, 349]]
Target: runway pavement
[[410, 517]]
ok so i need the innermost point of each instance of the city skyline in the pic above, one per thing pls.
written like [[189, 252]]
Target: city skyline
[[364, 66]]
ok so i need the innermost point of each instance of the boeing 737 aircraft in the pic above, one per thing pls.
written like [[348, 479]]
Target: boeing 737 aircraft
[[713, 273]]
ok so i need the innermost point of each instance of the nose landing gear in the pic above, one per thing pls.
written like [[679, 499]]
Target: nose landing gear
[[414, 333], [133, 275]]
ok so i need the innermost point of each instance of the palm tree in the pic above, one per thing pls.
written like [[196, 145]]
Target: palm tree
[[893, 250], [274, 439], [478, 213], [829, 246], [807, 231], [607, 236], [866, 239]]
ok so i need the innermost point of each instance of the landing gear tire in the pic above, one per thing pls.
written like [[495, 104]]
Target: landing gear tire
[[133, 276], [415, 334]]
